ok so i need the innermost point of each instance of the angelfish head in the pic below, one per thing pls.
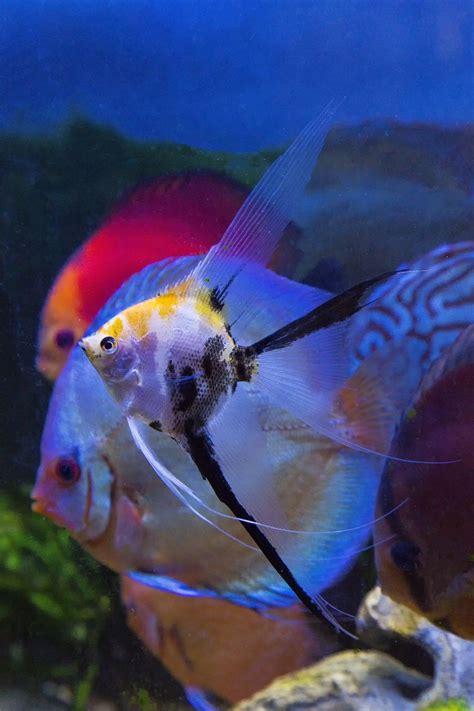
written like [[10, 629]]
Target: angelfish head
[[112, 351]]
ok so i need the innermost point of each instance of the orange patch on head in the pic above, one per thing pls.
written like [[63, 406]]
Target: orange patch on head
[[167, 304], [116, 327], [138, 318]]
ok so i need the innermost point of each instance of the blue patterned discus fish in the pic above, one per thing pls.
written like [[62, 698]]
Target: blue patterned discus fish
[[96, 483], [431, 304], [189, 364]]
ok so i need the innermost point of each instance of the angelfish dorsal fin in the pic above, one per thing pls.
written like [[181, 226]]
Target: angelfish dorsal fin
[[255, 231]]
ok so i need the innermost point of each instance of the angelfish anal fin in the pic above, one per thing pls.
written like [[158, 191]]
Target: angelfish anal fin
[[201, 449]]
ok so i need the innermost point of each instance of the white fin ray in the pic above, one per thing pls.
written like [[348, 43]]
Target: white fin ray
[[175, 485], [256, 229]]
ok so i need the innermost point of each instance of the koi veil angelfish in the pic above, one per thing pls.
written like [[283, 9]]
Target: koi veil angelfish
[[183, 364]]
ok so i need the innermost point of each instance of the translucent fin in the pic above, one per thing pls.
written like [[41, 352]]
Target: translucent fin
[[256, 229], [242, 451], [260, 302], [186, 495], [310, 377], [338, 493], [190, 498]]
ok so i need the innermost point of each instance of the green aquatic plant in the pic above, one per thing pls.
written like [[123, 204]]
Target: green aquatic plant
[[54, 599]]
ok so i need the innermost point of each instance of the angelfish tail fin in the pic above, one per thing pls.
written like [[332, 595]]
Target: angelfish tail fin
[[303, 365], [335, 310]]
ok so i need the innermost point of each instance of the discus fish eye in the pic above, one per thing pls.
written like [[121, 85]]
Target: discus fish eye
[[67, 471], [405, 556], [108, 345], [64, 339]]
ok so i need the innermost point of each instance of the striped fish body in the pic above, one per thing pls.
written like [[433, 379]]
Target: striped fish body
[[431, 305]]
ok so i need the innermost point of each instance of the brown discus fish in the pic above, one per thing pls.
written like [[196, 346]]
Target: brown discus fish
[[428, 565], [219, 648]]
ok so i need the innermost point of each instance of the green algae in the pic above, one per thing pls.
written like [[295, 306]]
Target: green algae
[[456, 704]]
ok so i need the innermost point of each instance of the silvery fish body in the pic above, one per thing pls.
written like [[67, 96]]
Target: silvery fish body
[[121, 511]]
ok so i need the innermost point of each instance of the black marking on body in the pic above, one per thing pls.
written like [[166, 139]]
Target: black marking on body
[[243, 364], [201, 449], [333, 311], [196, 383], [218, 294], [216, 299], [207, 365], [156, 425]]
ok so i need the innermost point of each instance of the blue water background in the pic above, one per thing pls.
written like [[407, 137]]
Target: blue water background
[[233, 74]]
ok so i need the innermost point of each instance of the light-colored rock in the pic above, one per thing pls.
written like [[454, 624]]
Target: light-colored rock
[[382, 623], [375, 680], [344, 682]]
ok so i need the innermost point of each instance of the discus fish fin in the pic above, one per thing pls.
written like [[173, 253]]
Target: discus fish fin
[[145, 284], [173, 586], [370, 404], [258, 601], [199, 699], [255, 231]]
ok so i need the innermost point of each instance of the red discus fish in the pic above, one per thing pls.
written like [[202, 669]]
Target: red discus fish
[[425, 547], [172, 216]]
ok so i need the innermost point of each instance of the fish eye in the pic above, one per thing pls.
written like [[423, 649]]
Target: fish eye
[[405, 556], [108, 344], [67, 471], [64, 339]]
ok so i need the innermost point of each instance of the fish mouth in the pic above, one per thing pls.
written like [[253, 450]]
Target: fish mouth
[[85, 346], [40, 506]]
